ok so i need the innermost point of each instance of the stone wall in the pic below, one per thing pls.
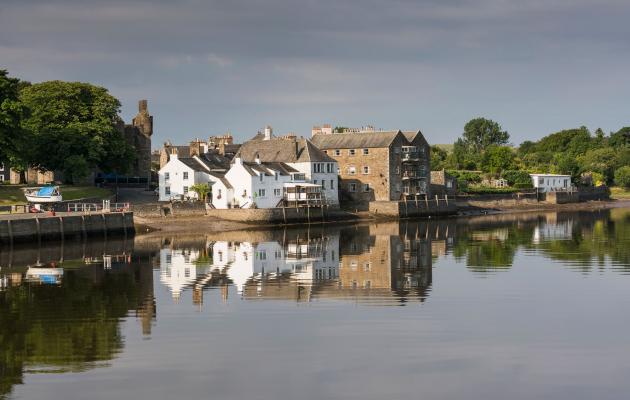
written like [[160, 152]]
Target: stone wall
[[562, 197], [276, 215], [377, 161], [412, 208], [41, 228]]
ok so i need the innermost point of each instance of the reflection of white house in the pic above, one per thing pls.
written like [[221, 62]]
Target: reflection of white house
[[306, 261], [44, 275], [552, 231], [178, 269], [551, 182], [179, 174], [300, 154]]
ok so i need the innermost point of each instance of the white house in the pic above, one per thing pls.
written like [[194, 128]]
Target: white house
[[298, 153], [551, 182], [179, 174], [259, 184]]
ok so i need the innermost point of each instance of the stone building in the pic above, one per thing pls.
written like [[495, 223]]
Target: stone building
[[443, 183], [377, 165], [138, 135]]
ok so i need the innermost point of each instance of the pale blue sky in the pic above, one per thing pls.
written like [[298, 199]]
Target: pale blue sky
[[211, 66]]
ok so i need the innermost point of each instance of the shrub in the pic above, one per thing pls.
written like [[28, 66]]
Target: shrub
[[622, 176], [515, 177]]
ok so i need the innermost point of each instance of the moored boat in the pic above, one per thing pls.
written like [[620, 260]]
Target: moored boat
[[45, 194]]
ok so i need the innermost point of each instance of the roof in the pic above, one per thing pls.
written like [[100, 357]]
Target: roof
[[412, 135], [268, 168], [286, 150], [355, 140], [552, 175], [208, 162], [182, 151], [193, 164]]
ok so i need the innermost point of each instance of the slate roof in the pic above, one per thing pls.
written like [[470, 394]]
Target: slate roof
[[208, 162], [286, 150], [411, 135], [268, 168], [355, 140]]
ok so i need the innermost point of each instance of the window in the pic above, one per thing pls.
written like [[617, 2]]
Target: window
[[325, 151], [219, 193], [277, 192], [332, 184], [366, 152], [397, 170], [366, 266], [261, 177], [366, 187], [262, 192], [276, 175], [352, 187], [167, 176], [366, 170], [261, 255], [186, 175], [2, 167], [337, 152], [351, 152], [185, 189], [352, 170], [315, 181], [330, 168], [167, 190]]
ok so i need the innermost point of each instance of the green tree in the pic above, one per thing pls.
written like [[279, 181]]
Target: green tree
[[517, 178], [603, 161], [498, 158], [202, 190], [462, 157], [438, 158], [622, 176], [74, 119], [621, 138], [480, 133], [11, 112]]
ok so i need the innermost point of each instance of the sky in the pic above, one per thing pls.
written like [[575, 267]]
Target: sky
[[209, 67]]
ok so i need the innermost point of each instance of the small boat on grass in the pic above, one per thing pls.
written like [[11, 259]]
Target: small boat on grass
[[45, 194]]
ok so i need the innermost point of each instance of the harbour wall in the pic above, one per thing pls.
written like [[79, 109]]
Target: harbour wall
[[43, 228], [412, 208]]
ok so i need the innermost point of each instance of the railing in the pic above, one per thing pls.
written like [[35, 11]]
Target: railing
[[410, 156], [95, 207]]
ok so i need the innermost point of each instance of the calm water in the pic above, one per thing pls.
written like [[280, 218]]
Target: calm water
[[495, 307]]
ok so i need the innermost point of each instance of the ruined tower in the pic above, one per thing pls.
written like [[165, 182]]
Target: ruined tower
[[138, 135]]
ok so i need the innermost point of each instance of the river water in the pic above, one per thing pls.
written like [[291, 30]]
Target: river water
[[517, 306]]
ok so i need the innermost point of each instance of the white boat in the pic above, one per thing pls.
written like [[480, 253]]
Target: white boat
[[44, 275], [45, 194]]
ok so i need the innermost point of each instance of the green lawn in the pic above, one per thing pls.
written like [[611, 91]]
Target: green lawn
[[12, 194], [620, 193]]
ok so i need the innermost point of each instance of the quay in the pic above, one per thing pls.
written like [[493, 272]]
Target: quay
[[15, 228]]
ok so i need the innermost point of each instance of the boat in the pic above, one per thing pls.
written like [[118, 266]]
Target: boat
[[44, 274], [45, 194]]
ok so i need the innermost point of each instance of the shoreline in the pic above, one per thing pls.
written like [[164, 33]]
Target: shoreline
[[202, 223]]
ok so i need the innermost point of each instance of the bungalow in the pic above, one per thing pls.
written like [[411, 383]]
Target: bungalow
[[551, 182], [179, 174], [263, 185]]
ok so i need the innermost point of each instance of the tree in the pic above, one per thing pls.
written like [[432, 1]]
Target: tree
[[438, 158], [74, 119], [202, 190], [603, 161], [498, 158], [480, 133], [11, 112], [462, 158], [517, 178], [621, 138], [622, 176]]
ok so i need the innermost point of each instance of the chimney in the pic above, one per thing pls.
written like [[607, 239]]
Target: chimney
[[173, 155], [238, 160], [268, 132]]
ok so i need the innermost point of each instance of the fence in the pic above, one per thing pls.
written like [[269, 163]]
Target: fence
[[106, 206]]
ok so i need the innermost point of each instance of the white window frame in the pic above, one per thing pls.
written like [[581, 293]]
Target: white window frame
[[185, 175], [262, 193], [352, 170], [366, 187], [352, 152], [366, 152], [352, 187], [366, 170]]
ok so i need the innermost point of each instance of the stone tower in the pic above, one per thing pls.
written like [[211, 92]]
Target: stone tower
[[138, 135]]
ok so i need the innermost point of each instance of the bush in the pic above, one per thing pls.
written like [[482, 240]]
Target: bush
[[470, 176], [622, 176], [517, 178]]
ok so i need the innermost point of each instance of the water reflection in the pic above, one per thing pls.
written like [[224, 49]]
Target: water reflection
[[366, 264], [62, 304]]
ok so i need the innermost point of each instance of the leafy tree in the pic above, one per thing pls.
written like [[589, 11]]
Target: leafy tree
[[78, 119], [480, 133], [603, 161], [621, 138], [564, 163], [202, 190], [463, 158], [574, 141], [622, 176], [438, 158], [526, 147], [498, 158], [11, 112]]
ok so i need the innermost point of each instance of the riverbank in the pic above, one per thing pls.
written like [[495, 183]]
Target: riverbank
[[208, 224]]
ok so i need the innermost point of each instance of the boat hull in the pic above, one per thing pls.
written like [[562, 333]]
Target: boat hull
[[43, 199]]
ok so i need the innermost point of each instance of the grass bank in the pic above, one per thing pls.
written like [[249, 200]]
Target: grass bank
[[12, 194], [620, 193]]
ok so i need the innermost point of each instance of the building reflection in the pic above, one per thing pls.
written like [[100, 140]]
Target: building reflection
[[366, 264]]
